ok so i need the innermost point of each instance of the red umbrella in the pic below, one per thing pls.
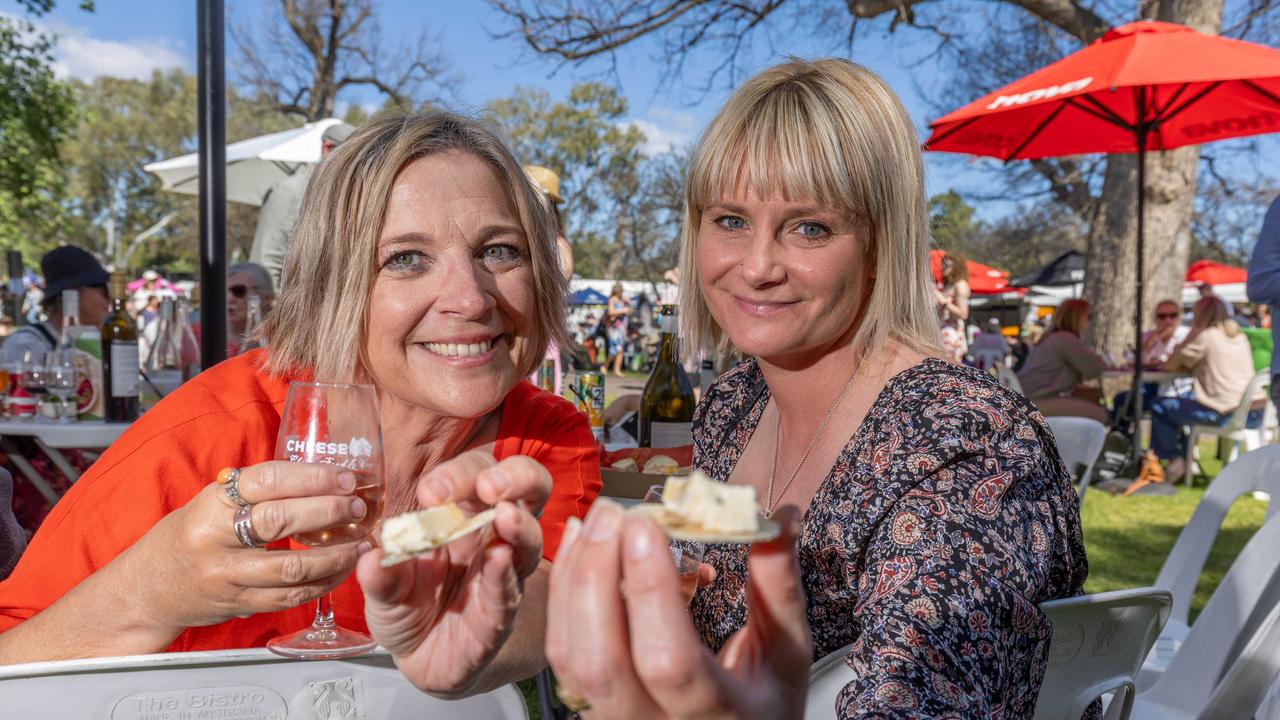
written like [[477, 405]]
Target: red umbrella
[[1208, 271], [983, 280], [1145, 85]]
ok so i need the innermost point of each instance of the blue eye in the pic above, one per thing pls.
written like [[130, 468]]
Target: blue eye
[[408, 261], [500, 255], [730, 222], [813, 230]]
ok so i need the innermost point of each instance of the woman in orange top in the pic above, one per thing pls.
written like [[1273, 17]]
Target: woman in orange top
[[423, 263]]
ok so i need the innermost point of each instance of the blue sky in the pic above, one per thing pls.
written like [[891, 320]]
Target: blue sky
[[129, 38]]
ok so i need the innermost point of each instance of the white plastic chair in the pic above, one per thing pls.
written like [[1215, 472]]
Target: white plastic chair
[[1236, 696], [1231, 614], [1098, 644], [234, 684], [1097, 648], [987, 359], [1234, 432], [1008, 377], [1080, 441]]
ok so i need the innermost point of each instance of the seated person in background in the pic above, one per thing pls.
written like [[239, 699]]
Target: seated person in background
[[1057, 364], [448, 248], [1157, 346], [1221, 364], [990, 347], [936, 510], [65, 268]]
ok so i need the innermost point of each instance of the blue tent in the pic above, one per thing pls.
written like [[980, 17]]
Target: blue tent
[[587, 296]]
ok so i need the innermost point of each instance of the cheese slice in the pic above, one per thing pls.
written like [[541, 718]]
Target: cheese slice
[[715, 507], [700, 509], [415, 533]]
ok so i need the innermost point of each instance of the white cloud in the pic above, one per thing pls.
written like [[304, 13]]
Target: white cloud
[[665, 129], [77, 55]]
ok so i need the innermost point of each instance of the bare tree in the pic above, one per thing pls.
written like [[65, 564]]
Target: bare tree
[[983, 45], [307, 52]]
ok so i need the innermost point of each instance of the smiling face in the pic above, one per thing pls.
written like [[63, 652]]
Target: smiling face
[[785, 279], [452, 307]]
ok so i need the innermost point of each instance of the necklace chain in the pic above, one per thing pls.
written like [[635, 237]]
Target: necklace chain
[[772, 504]]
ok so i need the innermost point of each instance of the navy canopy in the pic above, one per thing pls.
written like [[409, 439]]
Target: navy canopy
[[587, 296]]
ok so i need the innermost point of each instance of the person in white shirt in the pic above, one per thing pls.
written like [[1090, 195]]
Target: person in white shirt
[[1157, 346]]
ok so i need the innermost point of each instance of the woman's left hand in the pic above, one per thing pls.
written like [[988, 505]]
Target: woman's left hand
[[444, 615], [622, 644]]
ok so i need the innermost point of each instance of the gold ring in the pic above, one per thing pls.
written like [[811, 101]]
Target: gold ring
[[575, 703]]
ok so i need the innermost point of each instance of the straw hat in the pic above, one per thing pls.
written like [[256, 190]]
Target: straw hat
[[547, 180]]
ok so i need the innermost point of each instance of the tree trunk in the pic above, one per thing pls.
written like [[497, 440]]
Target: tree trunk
[[1170, 198]]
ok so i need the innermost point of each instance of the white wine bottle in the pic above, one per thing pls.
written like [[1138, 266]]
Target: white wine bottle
[[120, 356], [666, 405]]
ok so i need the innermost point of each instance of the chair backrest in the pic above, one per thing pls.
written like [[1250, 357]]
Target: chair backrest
[[827, 677], [1099, 642], [987, 359], [13, 539], [1240, 416], [1098, 645], [1257, 470], [1246, 683], [1080, 441], [1008, 377], [234, 683], [1238, 608]]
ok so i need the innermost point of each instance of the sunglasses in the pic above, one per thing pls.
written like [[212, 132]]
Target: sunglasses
[[1166, 316], [238, 291]]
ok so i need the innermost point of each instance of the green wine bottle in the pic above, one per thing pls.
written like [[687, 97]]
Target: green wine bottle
[[120, 356], [666, 405]]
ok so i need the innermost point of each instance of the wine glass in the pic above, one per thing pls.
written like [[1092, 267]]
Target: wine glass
[[335, 424], [34, 376], [60, 379], [686, 554]]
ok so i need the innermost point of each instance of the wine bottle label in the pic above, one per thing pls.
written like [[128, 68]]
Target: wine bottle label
[[670, 434], [124, 369]]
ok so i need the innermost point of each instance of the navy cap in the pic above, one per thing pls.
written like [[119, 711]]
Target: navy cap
[[68, 268]]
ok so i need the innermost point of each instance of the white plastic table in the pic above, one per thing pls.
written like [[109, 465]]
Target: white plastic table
[[52, 438]]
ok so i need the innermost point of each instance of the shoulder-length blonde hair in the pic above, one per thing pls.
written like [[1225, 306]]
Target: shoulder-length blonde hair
[[832, 132], [1211, 311], [320, 320], [1070, 316]]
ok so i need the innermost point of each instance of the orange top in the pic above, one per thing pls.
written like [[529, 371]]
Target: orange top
[[229, 416]]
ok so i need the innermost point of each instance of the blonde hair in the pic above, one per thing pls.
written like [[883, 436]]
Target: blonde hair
[[1070, 316], [1211, 311], [320, 320], [832, 132]]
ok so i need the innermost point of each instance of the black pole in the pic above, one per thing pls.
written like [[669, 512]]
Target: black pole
[[1135, 392], [213, 182]]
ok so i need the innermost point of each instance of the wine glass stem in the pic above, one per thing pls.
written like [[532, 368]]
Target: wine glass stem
[[324, 612]]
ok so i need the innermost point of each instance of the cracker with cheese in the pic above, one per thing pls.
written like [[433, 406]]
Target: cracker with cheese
[[415, 533], [700, 509]]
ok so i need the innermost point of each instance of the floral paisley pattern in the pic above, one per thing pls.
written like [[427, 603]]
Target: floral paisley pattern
[[947, 517]]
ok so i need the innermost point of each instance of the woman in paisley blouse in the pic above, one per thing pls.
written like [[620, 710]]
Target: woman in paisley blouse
[[932, 512]]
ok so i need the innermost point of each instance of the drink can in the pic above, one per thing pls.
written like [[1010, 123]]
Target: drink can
[[589, 394], [547, 375]]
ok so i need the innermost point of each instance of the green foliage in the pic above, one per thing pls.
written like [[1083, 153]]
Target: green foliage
[[1017, 243], [125, 124], [951, 221], [620, 213], [36, 111]]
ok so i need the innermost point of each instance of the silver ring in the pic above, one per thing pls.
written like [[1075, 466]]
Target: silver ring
[[244, 528], [231, 486]]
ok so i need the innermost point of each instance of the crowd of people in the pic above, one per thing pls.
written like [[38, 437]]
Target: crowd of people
[[853, 417]]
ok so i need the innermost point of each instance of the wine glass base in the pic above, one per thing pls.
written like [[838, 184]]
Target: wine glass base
[[322, 643]]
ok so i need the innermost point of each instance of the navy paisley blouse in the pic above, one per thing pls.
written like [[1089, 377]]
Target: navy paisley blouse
[[946, 518]]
